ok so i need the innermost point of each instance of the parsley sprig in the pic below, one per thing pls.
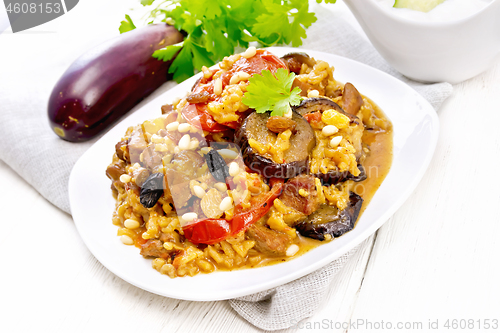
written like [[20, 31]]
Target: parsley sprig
[[267, 92], [214, 28]]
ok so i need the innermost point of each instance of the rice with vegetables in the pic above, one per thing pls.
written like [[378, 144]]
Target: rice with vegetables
[[211, 184]]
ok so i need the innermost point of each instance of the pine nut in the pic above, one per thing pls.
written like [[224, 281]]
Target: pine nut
[[239, 76], [220, 187], [206, 72], [250, 52], [228, 153], [218, 87], [292, 250], [194, 143], [205, 150], [244, 76], [234, 169], [313, 93], [188, 217], [131, 224], [288, 114], [127, 240], [184, 127], [234, 79], [125, 178], [184, 142], [329, 130], [199, 191], [173, 126], [334, 142], [226, 204]]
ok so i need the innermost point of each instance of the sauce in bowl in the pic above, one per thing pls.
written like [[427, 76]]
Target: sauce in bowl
[[453, 42], [449, 10]]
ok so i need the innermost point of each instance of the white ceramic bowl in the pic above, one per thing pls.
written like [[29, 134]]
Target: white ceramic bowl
[[451, 51]]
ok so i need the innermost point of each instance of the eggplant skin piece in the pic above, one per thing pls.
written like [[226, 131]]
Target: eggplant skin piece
[[302, 143], [328, 220], [294, 61], [320, 104], [335, 177], [108, 80]]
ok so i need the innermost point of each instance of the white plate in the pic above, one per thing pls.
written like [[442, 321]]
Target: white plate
[[415, 136]]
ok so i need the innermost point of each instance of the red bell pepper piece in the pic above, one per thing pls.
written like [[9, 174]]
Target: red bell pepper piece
[[198, 115]]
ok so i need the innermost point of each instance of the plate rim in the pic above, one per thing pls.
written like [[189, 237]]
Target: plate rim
[[247, 290]]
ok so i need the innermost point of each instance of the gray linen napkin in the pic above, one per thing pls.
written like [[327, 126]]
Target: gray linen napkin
[[30, 148]]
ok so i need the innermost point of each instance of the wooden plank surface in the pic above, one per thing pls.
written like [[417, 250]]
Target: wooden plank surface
[[438, 257]]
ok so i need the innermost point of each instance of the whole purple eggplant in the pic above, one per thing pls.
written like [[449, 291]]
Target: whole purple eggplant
[[107, 81]]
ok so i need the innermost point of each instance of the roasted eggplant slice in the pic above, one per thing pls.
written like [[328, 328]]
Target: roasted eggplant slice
[[321, 104], [296, 158], [329, 220], [294, 63]]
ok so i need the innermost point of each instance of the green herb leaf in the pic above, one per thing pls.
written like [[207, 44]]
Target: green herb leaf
[[167, 53], [273, 24], [182, 67], [268, 92], [215, 28], [126, 25], [302, 20], [284, 23]]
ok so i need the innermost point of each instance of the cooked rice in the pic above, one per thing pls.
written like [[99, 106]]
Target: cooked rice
[[179, 257]]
